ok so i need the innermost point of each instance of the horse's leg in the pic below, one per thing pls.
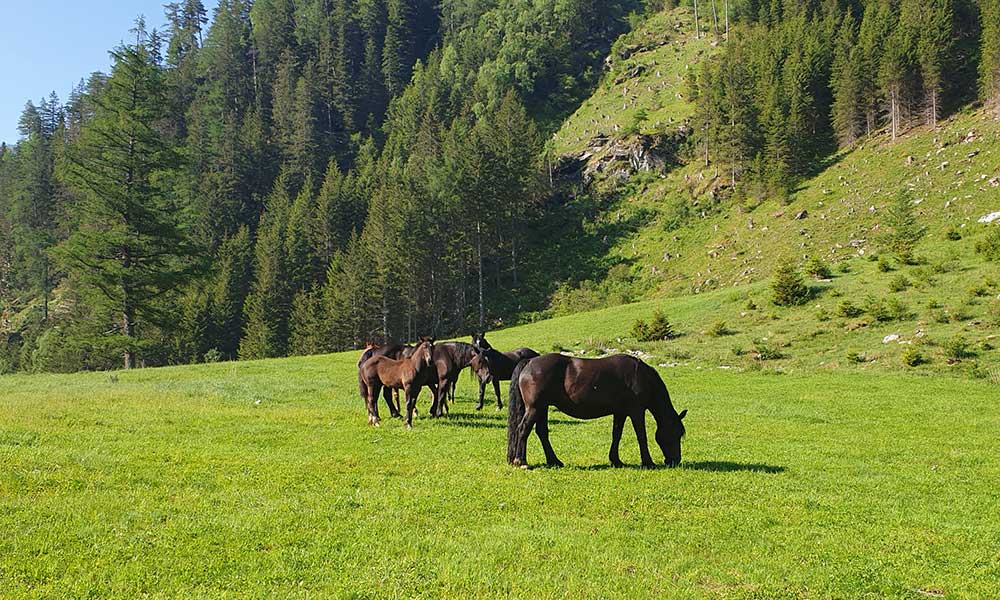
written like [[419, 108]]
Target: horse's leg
[[393, 407], [616, 438], [496, 388], [482, 394], [542, 421], [639, 424], [411, 402], [530, 416], [373, 394]]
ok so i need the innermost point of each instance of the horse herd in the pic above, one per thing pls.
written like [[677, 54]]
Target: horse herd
[[621, 386]]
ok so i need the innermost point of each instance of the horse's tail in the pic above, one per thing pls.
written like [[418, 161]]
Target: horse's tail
[[515, 414]]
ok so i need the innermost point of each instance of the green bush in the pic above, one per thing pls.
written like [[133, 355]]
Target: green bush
[[787, 288], [886, 310], [989, 245], [957, 348], [849, 310], [902, 231], [884, 264], [899, 283], [913, 357], [766, 351], [719, 329], [818, 268], [953, 234], [853, 356], [657, 329]]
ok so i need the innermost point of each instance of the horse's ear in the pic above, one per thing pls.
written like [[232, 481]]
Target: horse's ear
[[683, 414]]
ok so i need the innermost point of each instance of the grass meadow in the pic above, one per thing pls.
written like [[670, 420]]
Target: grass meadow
[[262, 479]]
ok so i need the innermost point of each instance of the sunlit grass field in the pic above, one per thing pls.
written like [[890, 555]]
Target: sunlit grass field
[[263, 480]]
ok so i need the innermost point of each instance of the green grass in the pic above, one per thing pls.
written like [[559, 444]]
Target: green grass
[[263, 479]]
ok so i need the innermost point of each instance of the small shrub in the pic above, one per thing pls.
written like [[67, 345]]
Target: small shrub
[[818, 268], [886, 310], [953, 234], [787, 288], [902, 231], [933, 303], [993, 313], [957, 348], [213, 356], [855, 357], [989, 245], [913, 357], [899, 283], [657, 329], [844, 267], [884, 265], [978, 290], [719, 329], [766, 351], [751, 305], [848, 310], [822, 314]]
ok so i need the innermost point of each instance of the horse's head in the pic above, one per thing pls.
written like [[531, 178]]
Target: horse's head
[[480, 364], [669, 432], [479, 341], [424, 353]]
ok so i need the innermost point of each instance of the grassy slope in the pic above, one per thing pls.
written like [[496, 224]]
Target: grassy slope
[[262, 479], [729, 246]]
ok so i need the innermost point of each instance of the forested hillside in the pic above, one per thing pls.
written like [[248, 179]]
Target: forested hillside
[[293, 177]]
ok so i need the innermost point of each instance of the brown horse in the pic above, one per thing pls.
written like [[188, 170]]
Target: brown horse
[[394, 351], [407, 374], [494, 366], [622, 386], [449, 358]]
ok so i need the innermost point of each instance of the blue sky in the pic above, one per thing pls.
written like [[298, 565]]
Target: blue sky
[[49, 45]]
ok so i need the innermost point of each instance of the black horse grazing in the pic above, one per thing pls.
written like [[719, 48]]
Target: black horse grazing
[[450, 358], [621, 385], [408, 374], [491, 365]]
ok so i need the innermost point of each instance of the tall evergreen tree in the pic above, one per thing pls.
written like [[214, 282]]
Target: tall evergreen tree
[[129, 250], [989, 62]]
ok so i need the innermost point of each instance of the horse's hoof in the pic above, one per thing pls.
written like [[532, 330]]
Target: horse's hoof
[[617, 464], [480, 407], [409, 427], [517, 462], [556, 464], [525, 467], [648, 465]]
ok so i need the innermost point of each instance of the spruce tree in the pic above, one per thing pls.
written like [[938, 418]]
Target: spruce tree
[[989, 62], [266, 309], [130, 250]]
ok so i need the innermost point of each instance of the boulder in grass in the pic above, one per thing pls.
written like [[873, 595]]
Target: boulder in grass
[[892, 337]]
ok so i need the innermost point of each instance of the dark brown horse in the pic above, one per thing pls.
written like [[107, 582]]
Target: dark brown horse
[[494, 366], [622, 386], [407, 374], [450, 358]]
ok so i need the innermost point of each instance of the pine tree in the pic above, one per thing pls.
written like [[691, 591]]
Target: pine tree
[[130, 249], [266, 308], [934, 49], [846, 81], [229, 290], [397, 54], [989, 62]]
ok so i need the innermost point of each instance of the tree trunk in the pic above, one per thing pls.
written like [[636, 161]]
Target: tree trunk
[[727, 19], [479, 253], [715, 18], [697, 30]]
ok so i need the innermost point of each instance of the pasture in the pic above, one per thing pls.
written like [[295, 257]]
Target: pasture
[[263, 480]]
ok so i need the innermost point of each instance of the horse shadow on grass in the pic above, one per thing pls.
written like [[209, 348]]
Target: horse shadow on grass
[[714, 466], [484, 420]]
